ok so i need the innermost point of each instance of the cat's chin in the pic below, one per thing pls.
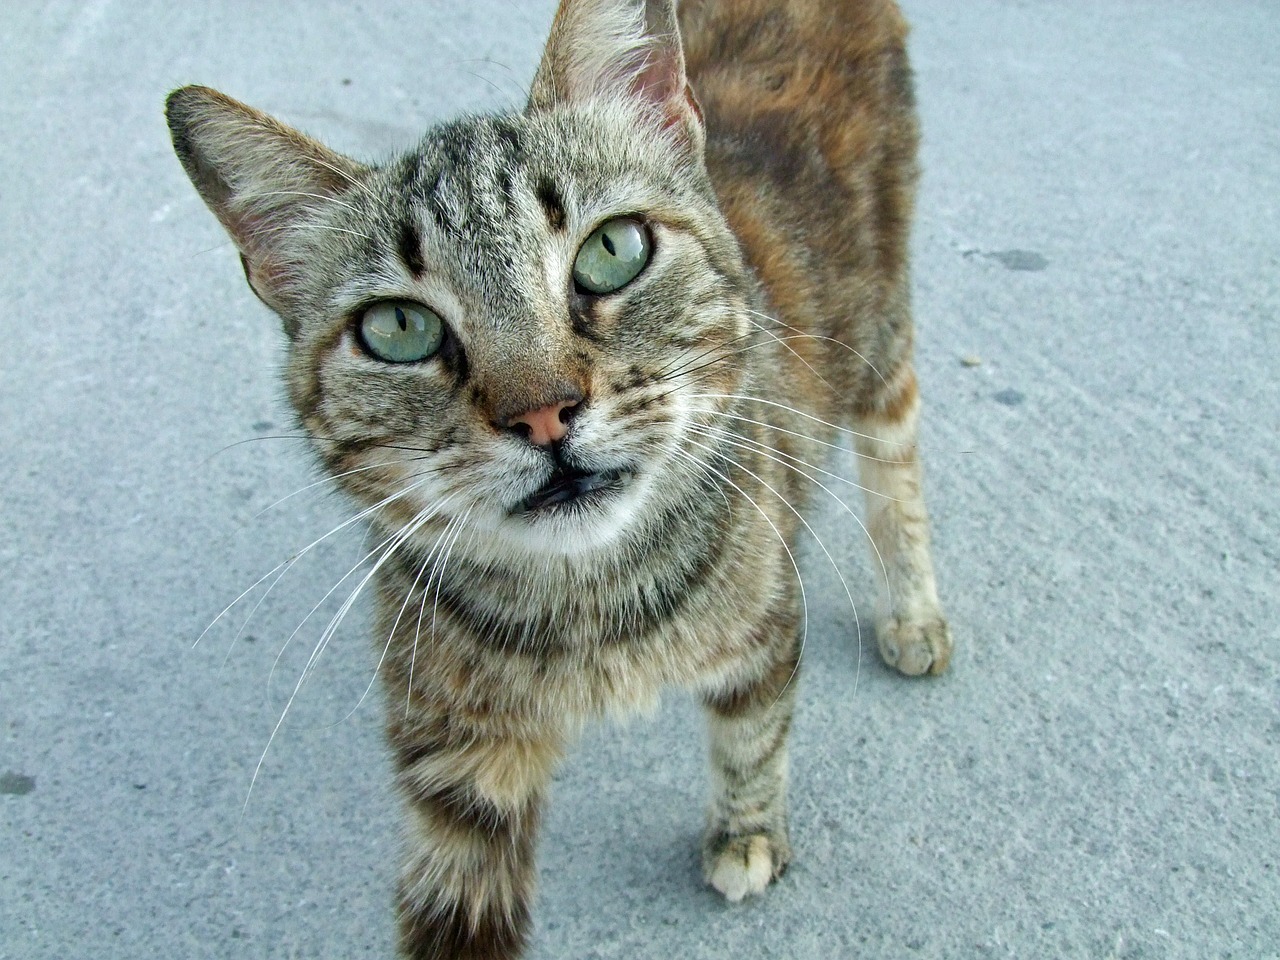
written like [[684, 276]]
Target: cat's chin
[[574, 514]]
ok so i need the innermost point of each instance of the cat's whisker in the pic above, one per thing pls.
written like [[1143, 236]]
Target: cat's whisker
[[520, 93], [757, 447], [386, 647], [774, 426], [487, 60], [763, 449], [290, 561], [776, 455], [284, 568], [708, 368], [710, 371], [689, 366], [804, 602], [816, 336], [511, 105], [400, 537], [312, 437], [722, 358], [676, 366], [335, 622], [799, 413], [332, 229], [439, 575], [248, 590], [319, 603], [782, 340], [739, 440], [701, 467], [857, 623], [331, 628], [422, 608], [333, 478], [368, 511]]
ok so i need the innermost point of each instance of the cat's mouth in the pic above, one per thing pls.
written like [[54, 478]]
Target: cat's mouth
[[569, 486]]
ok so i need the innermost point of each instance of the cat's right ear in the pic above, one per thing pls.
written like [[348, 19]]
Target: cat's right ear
[[622, 50], [261, 179]]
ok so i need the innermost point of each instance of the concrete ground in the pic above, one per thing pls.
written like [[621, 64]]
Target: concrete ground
[[1097, 777]]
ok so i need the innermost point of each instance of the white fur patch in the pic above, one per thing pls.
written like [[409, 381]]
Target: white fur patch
[[737, 879]]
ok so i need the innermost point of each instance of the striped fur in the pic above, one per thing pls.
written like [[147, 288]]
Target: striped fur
[[770, 155]]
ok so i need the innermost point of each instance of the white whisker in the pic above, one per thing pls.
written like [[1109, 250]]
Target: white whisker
[[689, 369], [815, 336], [756, 446], [299, 555], [399, 538], [333, 229], [333, 478], [783, 341], [444, 562], [422, 608], [798, 413], [884, 570], [683, 365], [791, 433], [765, 448], [701, 467], [254, 609], [386, 647], [804, 602]]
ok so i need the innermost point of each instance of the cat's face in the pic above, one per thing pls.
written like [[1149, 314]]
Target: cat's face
[[519, 332], [490, 230]]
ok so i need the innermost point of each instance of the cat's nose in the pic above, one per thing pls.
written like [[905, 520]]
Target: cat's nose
[[545, 425]]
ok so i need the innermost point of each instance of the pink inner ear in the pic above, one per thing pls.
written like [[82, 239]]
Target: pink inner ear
[[658, 84], [265, 272]]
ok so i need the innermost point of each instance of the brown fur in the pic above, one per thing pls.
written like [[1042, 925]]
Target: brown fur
[[775, 172], [811, 142]]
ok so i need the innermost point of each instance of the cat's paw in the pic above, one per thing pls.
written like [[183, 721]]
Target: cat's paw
[[739, 866], [914, 647]]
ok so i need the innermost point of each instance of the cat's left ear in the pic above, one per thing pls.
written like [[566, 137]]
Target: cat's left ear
[[263, 180], [625, 50]]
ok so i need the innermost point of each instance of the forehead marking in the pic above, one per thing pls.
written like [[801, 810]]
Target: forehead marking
[[409, 246], [552, 205]]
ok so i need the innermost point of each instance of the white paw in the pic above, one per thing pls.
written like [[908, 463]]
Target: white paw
[[915, 647], [741, 866]]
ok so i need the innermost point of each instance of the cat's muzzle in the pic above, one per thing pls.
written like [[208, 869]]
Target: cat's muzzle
[[568, 485]]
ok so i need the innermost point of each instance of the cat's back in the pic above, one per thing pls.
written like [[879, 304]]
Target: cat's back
[[811, 144], [801, 87]]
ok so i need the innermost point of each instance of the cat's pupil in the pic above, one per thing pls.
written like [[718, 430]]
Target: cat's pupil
[[612, 257], [400, 319]]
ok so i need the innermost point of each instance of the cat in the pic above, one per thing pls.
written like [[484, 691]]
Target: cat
[[579, 364]]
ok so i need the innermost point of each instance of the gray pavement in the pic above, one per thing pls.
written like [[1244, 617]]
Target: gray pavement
[[1098, 776]]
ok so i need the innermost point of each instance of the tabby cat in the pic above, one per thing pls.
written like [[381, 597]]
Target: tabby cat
[[580, 365]]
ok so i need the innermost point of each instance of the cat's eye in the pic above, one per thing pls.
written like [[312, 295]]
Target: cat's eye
[[401, 332], [613, 256]]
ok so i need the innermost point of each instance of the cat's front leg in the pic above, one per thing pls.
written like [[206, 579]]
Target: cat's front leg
[[473, 807], [746, 845], [911, 630]]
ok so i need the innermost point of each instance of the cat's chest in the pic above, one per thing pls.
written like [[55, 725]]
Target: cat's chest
[[584, 644]]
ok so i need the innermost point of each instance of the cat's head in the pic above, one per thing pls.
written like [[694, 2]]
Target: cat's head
[[523, 325]]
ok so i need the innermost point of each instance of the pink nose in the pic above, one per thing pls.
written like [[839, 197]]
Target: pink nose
[[547, 424]]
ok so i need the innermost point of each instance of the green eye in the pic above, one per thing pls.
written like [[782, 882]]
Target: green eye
[[613, 256], [401, 332]]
